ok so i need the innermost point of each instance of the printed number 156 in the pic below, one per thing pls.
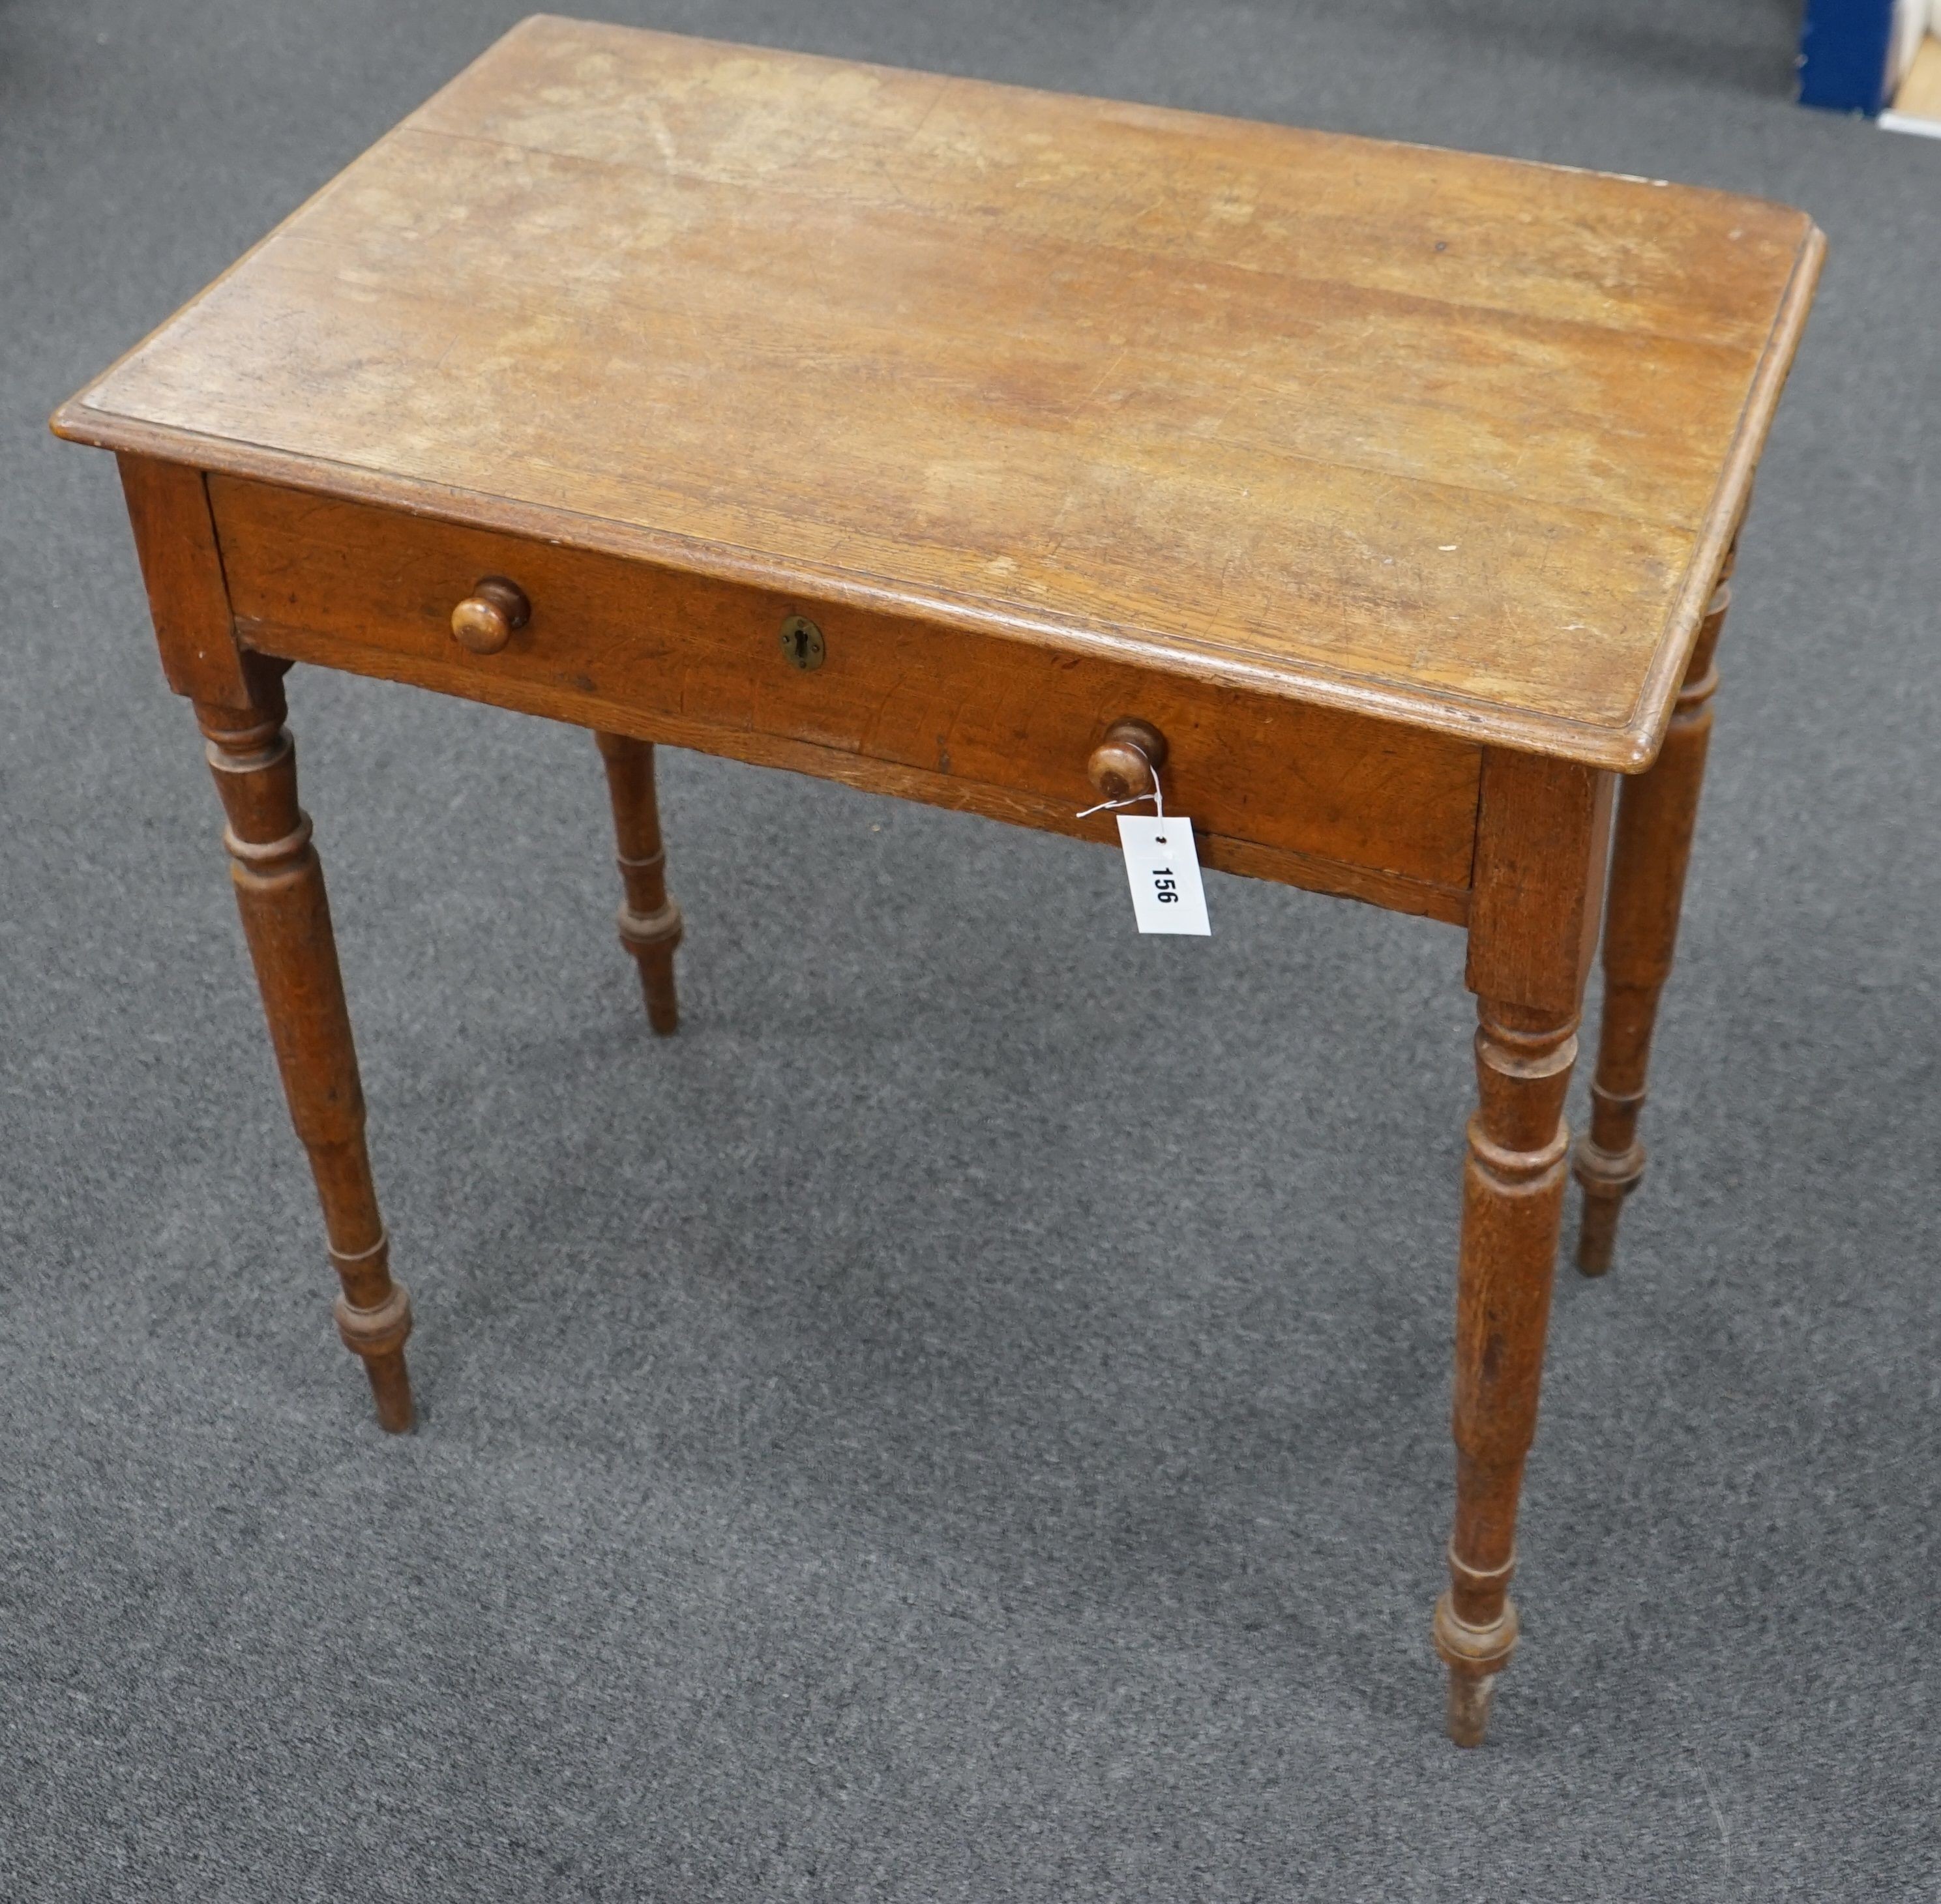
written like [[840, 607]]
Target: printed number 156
[[1166, 889]]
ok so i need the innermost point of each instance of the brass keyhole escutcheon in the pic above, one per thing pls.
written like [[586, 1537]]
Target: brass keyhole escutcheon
[[802, 642]]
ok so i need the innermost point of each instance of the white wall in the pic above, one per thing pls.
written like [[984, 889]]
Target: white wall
[[1911, 20]]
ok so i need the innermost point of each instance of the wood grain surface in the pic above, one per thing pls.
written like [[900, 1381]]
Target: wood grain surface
[[1453, 441]]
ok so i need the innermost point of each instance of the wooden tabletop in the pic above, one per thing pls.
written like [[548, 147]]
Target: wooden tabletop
[[1455, 440]]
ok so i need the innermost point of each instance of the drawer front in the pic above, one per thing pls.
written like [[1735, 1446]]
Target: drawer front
[[1276, 788]]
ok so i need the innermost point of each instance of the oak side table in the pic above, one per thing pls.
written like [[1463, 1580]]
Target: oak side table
[[924, 434]]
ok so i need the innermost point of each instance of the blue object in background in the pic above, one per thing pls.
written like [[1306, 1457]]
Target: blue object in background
[[1845, 48]]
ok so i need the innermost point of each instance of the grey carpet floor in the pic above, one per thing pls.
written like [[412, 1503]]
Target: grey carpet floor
[[863, 1455]]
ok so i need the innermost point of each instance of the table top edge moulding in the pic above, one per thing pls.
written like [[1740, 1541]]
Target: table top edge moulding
[[1270, 394]]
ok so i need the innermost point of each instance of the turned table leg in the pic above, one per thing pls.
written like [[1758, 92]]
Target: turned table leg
[[1512, 1209], [1542, 832], [286, 919], [650, 924], [1656, 815]]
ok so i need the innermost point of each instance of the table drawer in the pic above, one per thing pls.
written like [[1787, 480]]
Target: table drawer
[[996, 724]]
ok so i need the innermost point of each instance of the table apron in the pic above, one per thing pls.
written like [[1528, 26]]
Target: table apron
[[992, 723]]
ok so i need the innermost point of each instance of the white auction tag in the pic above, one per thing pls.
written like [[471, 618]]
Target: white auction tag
[[1164, 871]]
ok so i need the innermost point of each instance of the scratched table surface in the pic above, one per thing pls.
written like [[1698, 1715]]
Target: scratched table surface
[[1455, 440]]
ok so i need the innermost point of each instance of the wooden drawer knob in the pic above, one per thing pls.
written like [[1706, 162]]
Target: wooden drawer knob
[[484, 621], [1122, 763]]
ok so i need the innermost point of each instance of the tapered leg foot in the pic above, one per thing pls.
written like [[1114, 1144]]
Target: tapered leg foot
[[1475, 1657], [391, 1390], [1597, 1233], [651, 938], [1467, 1718], [649, 922], [377, 1335], [280, 893], [1609, 1165], [1657, 815]]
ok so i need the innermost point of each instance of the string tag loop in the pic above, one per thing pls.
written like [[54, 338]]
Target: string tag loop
[[1162, 863]]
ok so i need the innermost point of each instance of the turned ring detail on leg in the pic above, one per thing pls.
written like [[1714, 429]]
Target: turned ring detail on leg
[[375, 1332]]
